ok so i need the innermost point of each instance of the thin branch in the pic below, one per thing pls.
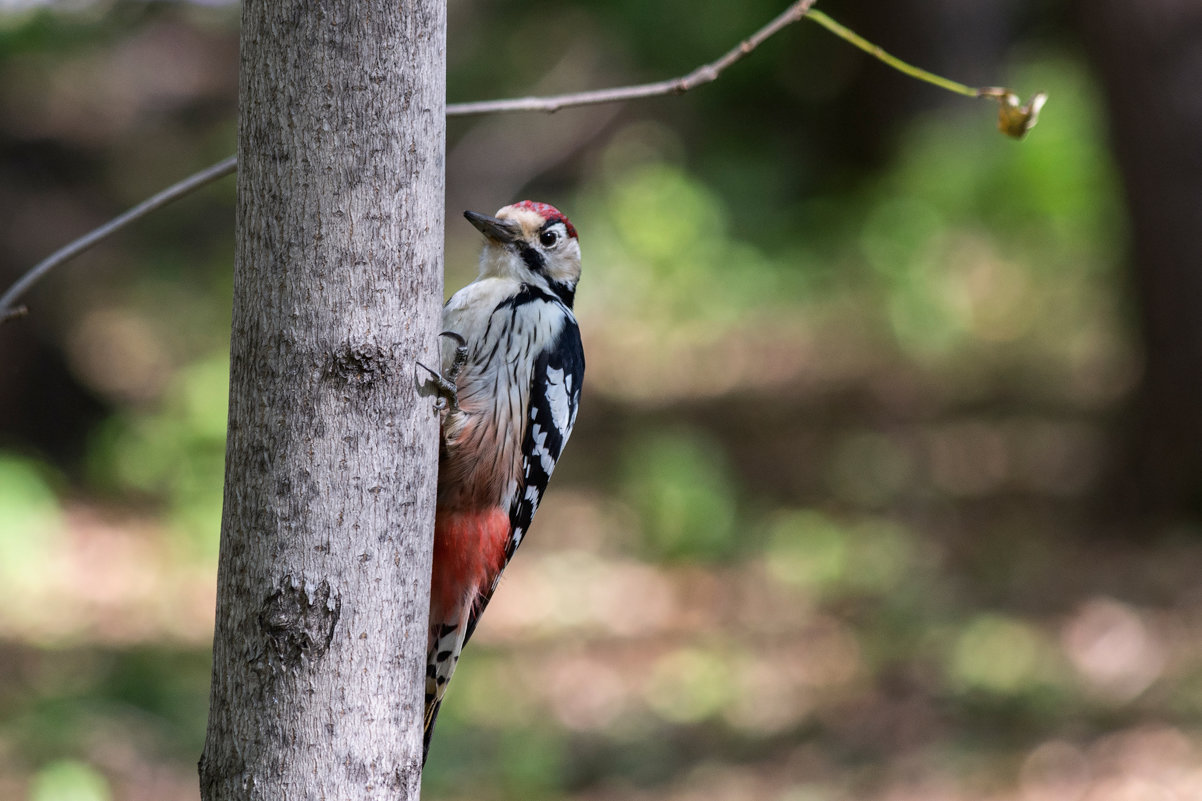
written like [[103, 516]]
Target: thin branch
[[12, 314], [704, 74], [1013, 119], [173, 192], [850, 36]]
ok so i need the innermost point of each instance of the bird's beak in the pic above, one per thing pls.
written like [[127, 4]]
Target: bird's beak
[[495, 229]]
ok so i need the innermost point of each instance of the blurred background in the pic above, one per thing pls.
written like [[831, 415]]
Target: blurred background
[[887, 478]]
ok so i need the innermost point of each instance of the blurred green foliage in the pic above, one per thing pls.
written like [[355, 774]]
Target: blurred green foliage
[[683, 492], [829, 558], [30, 511], [175, 453], [998, 654], [69, 780]]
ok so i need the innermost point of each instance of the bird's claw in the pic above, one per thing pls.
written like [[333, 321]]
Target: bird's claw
[[443, 384], [460, 357], [446, 391]]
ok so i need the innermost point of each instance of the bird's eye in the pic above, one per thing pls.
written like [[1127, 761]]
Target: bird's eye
[[548, 238]]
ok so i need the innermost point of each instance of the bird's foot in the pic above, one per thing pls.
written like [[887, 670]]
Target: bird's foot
[[443, 384]]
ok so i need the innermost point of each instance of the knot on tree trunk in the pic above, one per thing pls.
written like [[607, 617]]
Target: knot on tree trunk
[[298, 622], [357, 365]]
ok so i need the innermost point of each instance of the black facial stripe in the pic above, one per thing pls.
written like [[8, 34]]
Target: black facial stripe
[[565, 292], [534, 260]]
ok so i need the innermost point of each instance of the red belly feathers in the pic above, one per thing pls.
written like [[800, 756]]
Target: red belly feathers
[[469, 552]]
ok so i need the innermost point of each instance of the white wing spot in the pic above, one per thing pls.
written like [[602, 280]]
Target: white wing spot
[[540, 448], [557, 398]]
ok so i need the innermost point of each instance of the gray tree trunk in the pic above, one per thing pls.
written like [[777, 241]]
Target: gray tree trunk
[[331, 458]]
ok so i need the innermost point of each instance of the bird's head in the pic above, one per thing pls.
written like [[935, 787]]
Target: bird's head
[[533, 243]]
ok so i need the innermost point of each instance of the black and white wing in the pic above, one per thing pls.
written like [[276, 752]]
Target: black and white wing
[[554, 399]]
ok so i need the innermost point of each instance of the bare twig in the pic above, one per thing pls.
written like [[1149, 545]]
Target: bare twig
[[12, 314], [850, 36], [1014, 119], [704, 74], [173, 192]]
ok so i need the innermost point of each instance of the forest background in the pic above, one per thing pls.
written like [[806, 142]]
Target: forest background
[[886, 482]]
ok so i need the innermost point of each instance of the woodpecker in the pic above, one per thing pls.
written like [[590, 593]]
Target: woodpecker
[[512, 369]]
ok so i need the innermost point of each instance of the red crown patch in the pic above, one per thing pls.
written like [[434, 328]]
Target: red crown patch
[[548, 212]]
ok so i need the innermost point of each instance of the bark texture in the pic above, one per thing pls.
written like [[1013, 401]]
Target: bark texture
[[331, 460]]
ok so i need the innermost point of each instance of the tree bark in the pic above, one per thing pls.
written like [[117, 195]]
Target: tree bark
[[331, 457]]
